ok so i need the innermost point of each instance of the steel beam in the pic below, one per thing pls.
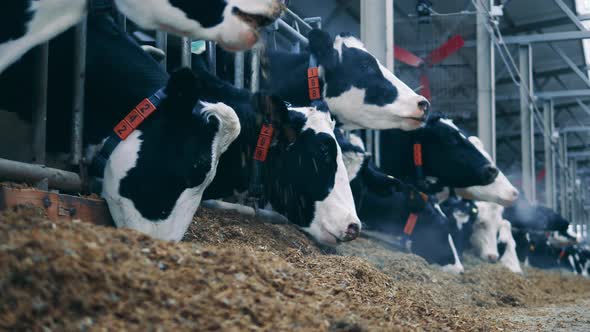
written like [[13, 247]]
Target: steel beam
[[376, 14], [579, 155], [572, 16], [239, 60], [547, 37], [291, 33], [162, 43], [77, 145], [563, 94], [563, 175], [572, 192], [40, 103], [550, 196], [486, 98], [212, 57], [526, 122], [185, 52]]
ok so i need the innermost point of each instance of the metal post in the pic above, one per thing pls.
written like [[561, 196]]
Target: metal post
[[549, 157], [212, 57], [40, 103], [122, 21], [376, 14], [239, 70], [254, 70], [162, 43], [572, 191], [79, 81], [526, 122], [486, 94], [185, 52], [563, 175]]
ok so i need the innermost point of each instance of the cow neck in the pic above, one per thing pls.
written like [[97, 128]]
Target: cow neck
[[125, 127]]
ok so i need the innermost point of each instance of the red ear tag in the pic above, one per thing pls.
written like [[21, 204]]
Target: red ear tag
[[417, 154], [562, 254], [263, 143], [411, 223], [313, 83]]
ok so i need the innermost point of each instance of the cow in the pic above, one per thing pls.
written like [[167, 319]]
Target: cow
[[526, 216], [234, 24], [448, 158], [303, 178], [540, 250], [384, 204], [359, 91], [501, 191], [462, 214]]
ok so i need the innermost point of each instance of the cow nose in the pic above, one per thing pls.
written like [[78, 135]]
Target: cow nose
[[352, 232], [515, 194], [490, 173], [424, 106], [493, 258]]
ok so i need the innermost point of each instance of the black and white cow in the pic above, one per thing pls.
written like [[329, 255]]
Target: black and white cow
[[385, 203], [449, 158], [233, 23], [541, 253], [360, 92], [462, 213], [526, 216], [303, 178]]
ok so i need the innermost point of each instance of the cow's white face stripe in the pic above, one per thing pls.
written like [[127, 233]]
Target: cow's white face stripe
[[337, 211], [457, 267]]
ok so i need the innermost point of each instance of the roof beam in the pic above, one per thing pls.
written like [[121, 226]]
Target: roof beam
[[572, 16]]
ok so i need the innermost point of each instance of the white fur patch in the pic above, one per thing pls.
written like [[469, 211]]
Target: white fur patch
[[456, 268], [485, 230], [509, 258], [451, 124]]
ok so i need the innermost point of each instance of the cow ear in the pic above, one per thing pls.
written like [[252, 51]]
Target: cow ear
[[271, 109], [321, 45]]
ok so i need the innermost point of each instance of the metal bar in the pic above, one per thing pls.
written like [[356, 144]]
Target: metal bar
[[40, 103], [185, 52], [212, 57], [563, 175], [23, 172], [486, 99], [570, 14], [78, 101], [526, 123], [583, 106], [254, 70], [299, 20], [575, 129], [549, 157], [546, 37], [572, 192], [583, 76], [579, 155], [239, 58], [122, 21], [563, 94], [291, 33], [162, 43]]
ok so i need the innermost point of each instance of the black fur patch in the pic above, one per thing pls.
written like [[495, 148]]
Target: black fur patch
[[14, 18], [208, 13]]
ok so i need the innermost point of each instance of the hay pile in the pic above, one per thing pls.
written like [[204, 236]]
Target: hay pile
[[235, 273]]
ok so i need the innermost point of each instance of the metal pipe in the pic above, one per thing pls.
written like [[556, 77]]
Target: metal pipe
[[40, 103], [23, 172], [185, 52], [549, 157], [78, 101], [212, 57], [291, 33], [239, 58], [573, 193], [122, 21], [299, 20], [255, 70], [526, 123], [563, 175], [162, 43], [486, 98]]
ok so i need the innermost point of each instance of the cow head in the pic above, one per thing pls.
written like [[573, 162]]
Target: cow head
[[432, 241], [450, 157], [501, 191], [306, 179], [234, 24], [485, 230], [176, 151], [359, 90]]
